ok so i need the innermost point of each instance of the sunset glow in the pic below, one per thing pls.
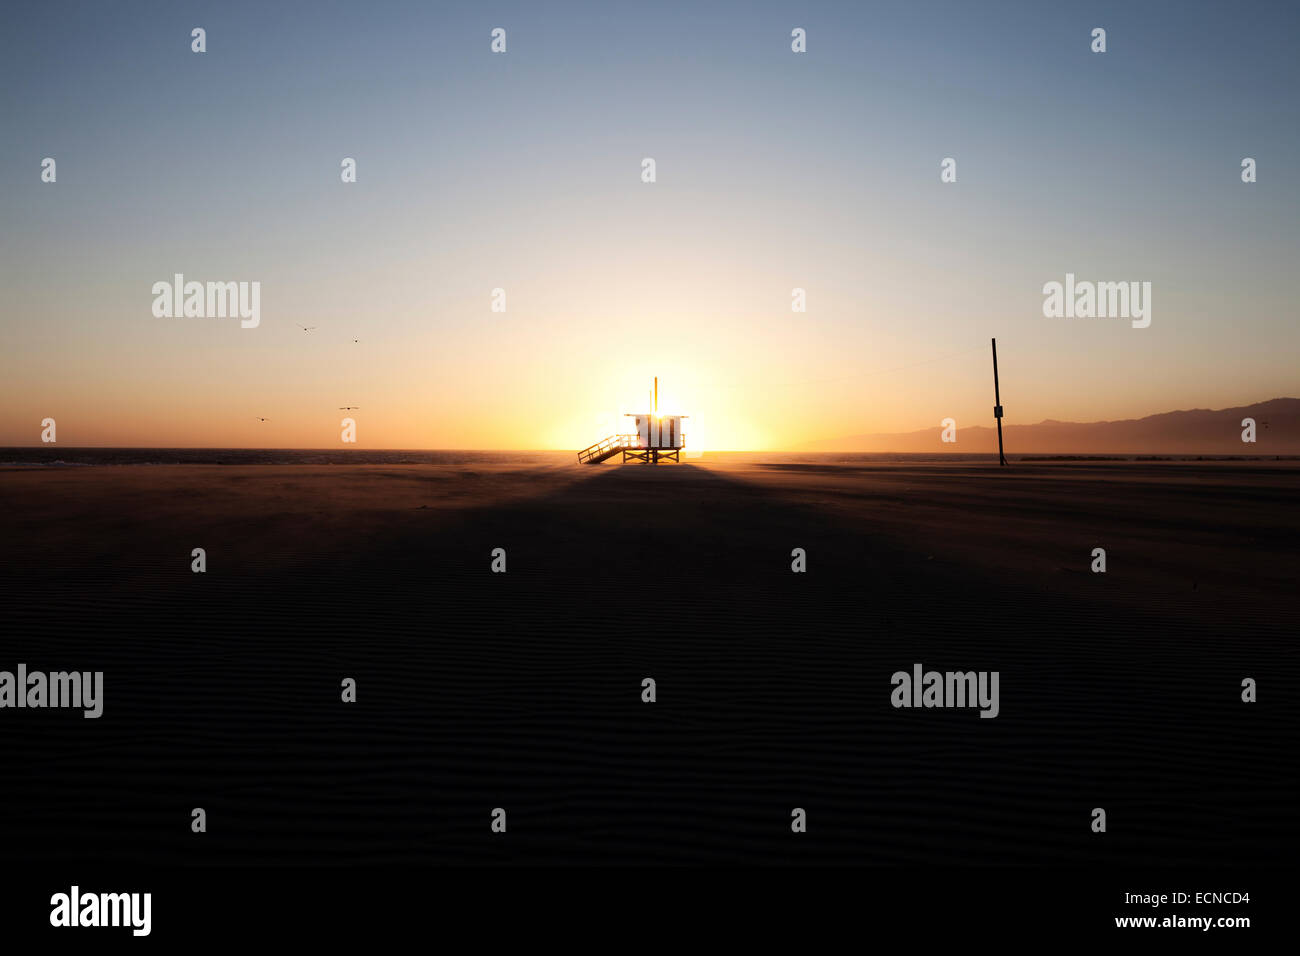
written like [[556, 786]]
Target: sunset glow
[[524, 175]]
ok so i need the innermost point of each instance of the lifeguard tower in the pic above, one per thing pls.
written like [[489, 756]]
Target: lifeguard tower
[[657, 438]]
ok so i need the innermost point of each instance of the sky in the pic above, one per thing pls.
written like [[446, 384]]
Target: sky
[[522, 171]]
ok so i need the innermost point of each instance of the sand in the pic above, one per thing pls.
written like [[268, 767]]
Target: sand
[[523, 690]]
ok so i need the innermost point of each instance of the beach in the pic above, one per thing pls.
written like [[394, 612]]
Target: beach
[[522, 690]]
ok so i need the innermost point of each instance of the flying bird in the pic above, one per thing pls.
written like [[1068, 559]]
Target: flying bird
[[306, 328], [349, 408], [263, 419]]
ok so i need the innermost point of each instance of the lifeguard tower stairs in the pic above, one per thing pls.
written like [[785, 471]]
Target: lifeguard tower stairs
[[627, 445]]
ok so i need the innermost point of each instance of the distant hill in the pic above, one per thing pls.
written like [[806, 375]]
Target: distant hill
[[1197, 431]]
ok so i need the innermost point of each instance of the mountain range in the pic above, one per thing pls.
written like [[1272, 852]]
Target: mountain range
[[1197, 431]]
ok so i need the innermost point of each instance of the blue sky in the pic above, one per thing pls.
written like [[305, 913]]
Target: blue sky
[[775, 170]]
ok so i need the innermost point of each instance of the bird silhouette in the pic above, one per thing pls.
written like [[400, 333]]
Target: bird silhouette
[[263, 419], [306, 328], [349, 408]]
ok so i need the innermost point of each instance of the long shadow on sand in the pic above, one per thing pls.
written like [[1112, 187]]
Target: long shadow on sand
[[524, 691]]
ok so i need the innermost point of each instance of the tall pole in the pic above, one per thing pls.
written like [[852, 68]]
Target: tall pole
[[656, 437], [997, 403]]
